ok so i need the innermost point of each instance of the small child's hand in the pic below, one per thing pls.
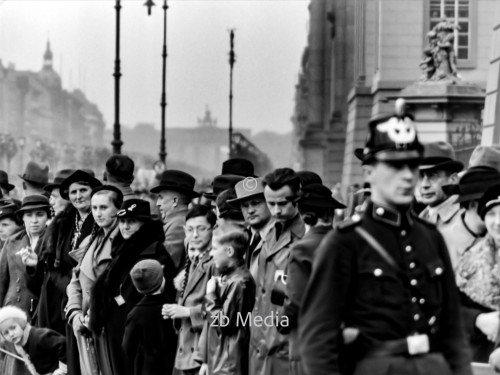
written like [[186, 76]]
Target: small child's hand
[[203, 369], [173, 311]]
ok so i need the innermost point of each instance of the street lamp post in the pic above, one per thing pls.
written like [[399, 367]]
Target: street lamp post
[[22, 143], [117, 142], [163, 103], [232, 60]]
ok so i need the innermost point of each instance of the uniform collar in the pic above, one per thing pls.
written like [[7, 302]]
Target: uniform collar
[[391, 216]]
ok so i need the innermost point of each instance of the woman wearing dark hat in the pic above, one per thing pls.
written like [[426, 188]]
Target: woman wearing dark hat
[[317, 208], [478, 278], [53, 265], [15, 288], [10, 223], [93, 259], [34, 213], [114, 295]]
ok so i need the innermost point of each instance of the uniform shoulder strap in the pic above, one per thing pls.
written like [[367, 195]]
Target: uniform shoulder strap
[[377, 247]]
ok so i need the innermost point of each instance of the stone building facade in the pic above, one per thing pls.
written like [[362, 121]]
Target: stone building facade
[[34, 106], [360, 55]]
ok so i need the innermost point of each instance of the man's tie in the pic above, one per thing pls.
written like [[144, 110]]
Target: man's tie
[[253, 245]]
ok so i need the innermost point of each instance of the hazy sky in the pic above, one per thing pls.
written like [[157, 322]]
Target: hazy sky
[[269, 39]]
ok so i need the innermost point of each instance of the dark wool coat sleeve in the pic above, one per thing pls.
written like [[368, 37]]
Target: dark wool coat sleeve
[[323, 304]]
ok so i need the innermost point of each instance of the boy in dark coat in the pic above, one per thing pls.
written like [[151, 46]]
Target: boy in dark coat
[[149, 340], [228, 303]]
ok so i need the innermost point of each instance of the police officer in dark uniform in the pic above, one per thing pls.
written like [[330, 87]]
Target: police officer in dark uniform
[[386, 276]]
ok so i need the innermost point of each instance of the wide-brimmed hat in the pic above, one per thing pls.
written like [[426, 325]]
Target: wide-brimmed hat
[[4, 181], [226, 209], [318, 195], [77, 176], [309, 177], [392, 138], [490, 199], [473, 183], [34, 202], [238, 166], [248, 188], [486, 156], [58, 179], [120, 167], [34, 173], [440, 156], [135, 209], [178, 181], [8, 210], [221, 183]]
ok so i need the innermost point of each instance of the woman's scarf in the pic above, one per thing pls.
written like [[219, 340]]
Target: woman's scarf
[[478, 273]]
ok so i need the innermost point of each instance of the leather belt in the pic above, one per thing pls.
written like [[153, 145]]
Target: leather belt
[[410, 346]]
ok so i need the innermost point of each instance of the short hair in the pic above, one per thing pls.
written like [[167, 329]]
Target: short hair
[[116, 199], [282, 177], [182, 198], [234, 237], [202, 210]]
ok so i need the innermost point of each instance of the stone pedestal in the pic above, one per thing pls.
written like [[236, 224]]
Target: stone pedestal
[[450, 112], [491, 129]]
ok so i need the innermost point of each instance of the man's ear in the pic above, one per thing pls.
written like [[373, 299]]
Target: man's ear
[[453, 179], [230, 251]]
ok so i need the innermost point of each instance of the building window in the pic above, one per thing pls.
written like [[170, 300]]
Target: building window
[[463, 13]]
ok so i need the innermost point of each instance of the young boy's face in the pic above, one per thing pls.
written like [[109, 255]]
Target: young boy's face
[[219, 254], [11, 331]]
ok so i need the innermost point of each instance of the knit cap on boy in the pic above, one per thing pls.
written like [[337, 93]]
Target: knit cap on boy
[[147, 276]]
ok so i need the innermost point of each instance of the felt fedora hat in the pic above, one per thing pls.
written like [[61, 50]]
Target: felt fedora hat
[[4, 181], [34, 173], [135, 209], [473, 183], [58, 179], [318, 195], [77, 176], [486, 156], [248, 188], [309, 177], [440, 156], [179, 181], [221, 183], [34, 202], [238, 166]]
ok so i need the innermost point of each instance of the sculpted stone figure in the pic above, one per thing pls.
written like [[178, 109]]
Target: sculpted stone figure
[[440, 61]]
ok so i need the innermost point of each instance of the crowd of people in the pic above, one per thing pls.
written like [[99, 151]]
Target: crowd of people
[[259, 276]]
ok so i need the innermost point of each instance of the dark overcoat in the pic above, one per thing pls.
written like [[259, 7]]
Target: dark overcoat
[[299, 270], [107, 314], [352, 285], [150, 341]]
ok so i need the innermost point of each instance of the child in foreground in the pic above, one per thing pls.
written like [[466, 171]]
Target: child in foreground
[[149, 340], [225, 339], [43, 350]]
